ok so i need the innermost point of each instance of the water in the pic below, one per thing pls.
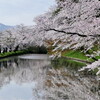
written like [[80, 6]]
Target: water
[[36, 77]]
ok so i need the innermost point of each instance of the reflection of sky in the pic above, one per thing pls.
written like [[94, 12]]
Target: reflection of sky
[[15, 91], [34, 56]]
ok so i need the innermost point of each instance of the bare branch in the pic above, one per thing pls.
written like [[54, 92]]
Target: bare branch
[[71, 33]]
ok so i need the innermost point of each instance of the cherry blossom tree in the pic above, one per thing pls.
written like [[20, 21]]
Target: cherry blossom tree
[[17, 38], [73, 24], [70, 24]]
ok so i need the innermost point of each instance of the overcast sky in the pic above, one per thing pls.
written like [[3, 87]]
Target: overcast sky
[[14, 12]]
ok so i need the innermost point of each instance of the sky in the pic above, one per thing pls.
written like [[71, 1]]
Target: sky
[[15, 12]]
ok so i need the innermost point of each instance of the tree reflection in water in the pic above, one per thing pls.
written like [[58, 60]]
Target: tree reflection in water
[[54, 80]]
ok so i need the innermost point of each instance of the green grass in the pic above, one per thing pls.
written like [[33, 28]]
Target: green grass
[[76, 54], [7, 54], [79, 55], [35, 50]]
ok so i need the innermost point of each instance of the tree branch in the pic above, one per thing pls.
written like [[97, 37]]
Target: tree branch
[[71, 33]]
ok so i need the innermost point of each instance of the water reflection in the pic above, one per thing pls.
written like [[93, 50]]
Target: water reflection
[[40, 79], [13, 91], [18, 78]]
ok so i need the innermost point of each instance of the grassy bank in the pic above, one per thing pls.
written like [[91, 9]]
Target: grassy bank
[[35, 50], [8, 54], [76, 56], [79, 55], [71, 65], [75, 60]]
